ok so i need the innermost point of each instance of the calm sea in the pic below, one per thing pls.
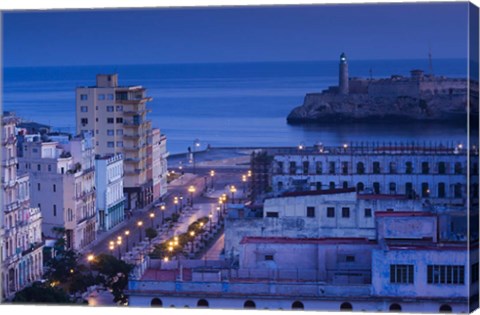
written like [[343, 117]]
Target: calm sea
[[233, 104]]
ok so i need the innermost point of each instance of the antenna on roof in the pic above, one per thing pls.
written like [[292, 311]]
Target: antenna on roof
[[430, 65]]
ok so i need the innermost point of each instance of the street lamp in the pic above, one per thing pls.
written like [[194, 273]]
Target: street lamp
[[127, 233], [191, 190], [249, 173], [196, 144], [139, 224], [219, 214], [175, 201], [244, 180], [212, 174], [192, 234], [119, 243], [152, 216], [162, 208], [233, 190], [90, 259], [111, 247]]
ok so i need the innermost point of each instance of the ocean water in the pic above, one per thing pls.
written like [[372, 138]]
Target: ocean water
[[229, 104]]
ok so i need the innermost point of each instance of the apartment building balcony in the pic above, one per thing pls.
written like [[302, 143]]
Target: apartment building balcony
[[87, 218], [33, 247], [132, 136], [9, 162], [132, 160], [136, 112], [9, 140], [12, 206]]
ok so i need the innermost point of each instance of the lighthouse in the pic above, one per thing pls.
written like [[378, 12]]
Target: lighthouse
[[343, 75]]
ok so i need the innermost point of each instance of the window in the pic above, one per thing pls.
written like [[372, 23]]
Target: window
[[376, 187], [319, 185], [376, 167], [83, 97], [119, 108], [54, 210], [350, 258], [84, 121], [110, 120], [120, 144], [458, 168], [345, 185], [445, 274], [331, 168], [38, 186], [280, 167], [330, 212], [39, 167], [409, 168], [119, 120], [409, 189], [392, 168], [110, 97], [344, 168], [310, 212], [54, 188], [360, 168], [110, 132], [332, 185], [368, 213], [345, 212], [474, 273], [458, 190], [401, 274], [109, 108], [119, 132], [441, 190], [360, 186], [101, 97], [84, 109], [305, 167], [425, 168], [393, 187], [318, 168], [292, 168], [441, 168], [272, 215], [110, 144], [268, 257], [280, 185]]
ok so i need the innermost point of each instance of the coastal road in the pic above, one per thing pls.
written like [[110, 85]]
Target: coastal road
[[179, 188]]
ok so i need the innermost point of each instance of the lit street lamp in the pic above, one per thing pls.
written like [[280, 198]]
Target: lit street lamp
[[191, 190], [192, 234], [90, 259], [152, 216], [219, 214], [210, 218], [119, 243], [175, 201], [139, 224], [212, 174], [111, 247], [196, 144], [162, 208], [127, 233], [244, 180], [233, 190]]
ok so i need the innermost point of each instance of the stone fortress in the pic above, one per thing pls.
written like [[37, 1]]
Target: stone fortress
[[419, 97]]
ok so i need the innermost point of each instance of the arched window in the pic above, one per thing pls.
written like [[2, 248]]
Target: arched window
[[445, 308], [249, 304], [360, 186], [156, 302], [346, 307], [297, 305], [395, 307], [202, 303]]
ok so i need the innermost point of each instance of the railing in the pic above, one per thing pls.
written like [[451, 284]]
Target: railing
[[35, 246]]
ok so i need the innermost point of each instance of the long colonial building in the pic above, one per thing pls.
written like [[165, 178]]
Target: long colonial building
[[21, 245]]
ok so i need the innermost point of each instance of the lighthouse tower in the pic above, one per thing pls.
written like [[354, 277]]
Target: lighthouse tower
[[343, 75]]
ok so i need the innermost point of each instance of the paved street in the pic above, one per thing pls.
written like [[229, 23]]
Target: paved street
[[223, 178]]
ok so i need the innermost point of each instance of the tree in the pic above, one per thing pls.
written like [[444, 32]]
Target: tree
[[113, 274], [62, 267], [41, 293], [151, 233]]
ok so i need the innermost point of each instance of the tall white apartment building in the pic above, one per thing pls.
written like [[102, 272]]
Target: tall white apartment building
[[157, 163], [21, 256], [63, 187], [109, 188], [117, 116]]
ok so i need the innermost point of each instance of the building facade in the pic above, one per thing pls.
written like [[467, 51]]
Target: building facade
[[21, 245], [434, 172], [63, 187], [157, 164], [117, 116], [109, 191]]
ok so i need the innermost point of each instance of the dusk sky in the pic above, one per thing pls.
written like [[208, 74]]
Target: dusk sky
[[157, 36]]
